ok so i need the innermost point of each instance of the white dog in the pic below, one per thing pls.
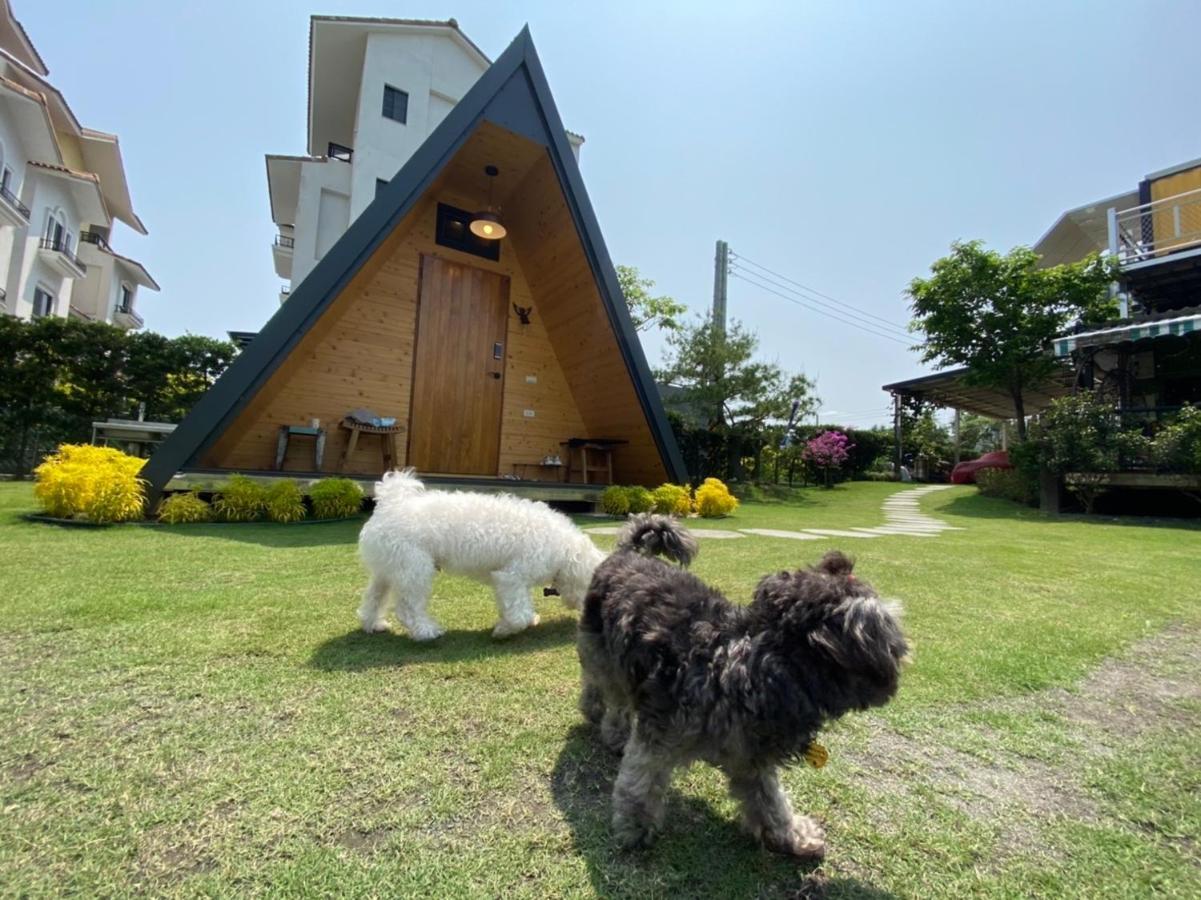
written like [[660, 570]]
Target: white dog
[[510, 543]]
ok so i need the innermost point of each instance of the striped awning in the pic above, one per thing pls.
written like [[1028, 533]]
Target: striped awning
[[1138, 331]]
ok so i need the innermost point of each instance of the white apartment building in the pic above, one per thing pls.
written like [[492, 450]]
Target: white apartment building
[[377, 89], [62, 186]]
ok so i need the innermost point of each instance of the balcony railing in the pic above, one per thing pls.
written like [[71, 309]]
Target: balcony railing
[[284, 242], [61, 246], [92, 237], [11, 199], [1156, 229], [339, 152], [128, 311]]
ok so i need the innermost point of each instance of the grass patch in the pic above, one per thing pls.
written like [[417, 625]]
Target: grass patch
[[190, 710]]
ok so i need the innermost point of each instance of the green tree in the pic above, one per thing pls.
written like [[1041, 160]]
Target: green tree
[[63, 374], [996, 314], [647, 310], [743, 402]]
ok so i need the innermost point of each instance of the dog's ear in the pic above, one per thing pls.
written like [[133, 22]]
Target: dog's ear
[[835, 563]]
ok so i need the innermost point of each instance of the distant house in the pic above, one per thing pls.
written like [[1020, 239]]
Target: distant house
[[1149, 360], [473, 302], [62, 186], [377, 89]]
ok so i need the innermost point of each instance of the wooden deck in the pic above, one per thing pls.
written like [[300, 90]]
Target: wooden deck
[[549, 491]]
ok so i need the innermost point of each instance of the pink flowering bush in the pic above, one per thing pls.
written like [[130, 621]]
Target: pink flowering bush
[[827, 452]]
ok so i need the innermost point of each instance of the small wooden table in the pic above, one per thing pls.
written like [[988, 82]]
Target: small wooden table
[[387, 434], [602, 446], [287, 432]]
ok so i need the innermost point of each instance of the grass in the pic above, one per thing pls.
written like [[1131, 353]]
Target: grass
[[191, 711]]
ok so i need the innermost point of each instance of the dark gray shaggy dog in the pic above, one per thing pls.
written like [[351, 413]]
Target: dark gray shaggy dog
[[673, 672]]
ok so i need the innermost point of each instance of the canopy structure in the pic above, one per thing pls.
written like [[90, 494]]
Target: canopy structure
[[1134, 331], [950, 388]]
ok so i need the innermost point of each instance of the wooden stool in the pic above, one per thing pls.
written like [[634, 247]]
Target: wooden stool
[[287, 432], [387, 436]]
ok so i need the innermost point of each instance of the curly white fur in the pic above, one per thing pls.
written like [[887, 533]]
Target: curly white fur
[[513, 544]]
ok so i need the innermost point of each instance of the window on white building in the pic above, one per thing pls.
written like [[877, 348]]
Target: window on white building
[[57, 235], [43, 303], [396, 104], [125, 302]]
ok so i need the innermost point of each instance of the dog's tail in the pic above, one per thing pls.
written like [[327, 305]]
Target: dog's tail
[[653, 535], [397, 486]]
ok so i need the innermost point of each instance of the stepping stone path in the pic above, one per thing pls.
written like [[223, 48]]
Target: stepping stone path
[[902, 516]]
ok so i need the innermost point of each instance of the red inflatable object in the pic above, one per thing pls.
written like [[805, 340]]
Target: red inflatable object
[[965, 472]]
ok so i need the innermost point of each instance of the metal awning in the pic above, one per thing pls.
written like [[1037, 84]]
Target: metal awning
[[951, 388], [1137, 331]]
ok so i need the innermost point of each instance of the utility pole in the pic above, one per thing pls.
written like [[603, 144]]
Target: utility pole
[[721, 273]]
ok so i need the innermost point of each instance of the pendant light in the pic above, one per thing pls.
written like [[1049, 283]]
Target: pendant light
[[486, 224]]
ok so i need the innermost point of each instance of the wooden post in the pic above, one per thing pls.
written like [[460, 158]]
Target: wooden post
[[896, 429], [955, 428]]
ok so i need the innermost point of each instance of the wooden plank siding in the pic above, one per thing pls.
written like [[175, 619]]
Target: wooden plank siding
[[361, 354], [589, 357], [565, 367]]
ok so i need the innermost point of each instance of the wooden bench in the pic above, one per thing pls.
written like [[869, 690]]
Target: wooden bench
[[287, 432], [387, 435], [600, 462]]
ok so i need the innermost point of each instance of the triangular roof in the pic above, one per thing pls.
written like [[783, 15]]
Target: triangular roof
[[513, 93]]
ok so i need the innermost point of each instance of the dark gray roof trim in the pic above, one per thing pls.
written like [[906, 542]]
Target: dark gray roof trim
[[502, 94]]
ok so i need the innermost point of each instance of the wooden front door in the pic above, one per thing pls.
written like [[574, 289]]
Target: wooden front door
[[458, 369]]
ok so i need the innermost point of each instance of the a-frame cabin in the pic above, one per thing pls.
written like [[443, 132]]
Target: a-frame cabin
[[403, 316]]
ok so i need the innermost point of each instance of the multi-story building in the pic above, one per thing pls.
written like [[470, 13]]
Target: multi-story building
[[377, 89], [62, 186], [1149, 361]]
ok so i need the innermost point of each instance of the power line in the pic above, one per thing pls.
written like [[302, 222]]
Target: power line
[[862, 327], [863, 320], [842, 304]]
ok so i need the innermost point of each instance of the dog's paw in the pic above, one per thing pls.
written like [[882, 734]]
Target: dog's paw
[[806, 839], [631, 834], [508, 629], [376, 627], [426, 632]]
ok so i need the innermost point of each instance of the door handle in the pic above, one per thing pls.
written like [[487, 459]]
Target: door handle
[[495, 375]]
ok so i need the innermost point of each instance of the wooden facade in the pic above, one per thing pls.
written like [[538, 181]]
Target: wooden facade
[[393, 321]]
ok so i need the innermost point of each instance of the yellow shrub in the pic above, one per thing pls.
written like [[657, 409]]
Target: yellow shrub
[[99, 484], [182, 508], [285, 503], [672, 500], [714, 500], [240, 500], [615, 501]]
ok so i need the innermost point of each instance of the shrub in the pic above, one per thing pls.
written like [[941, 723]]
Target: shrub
[[827, 452], [179, 509], [1178, 446], [672, 500], [99, 484], [714, 500], [336, 498], [640, 499], [1008, 484], [241, 500], [285, 503], [615, 501]]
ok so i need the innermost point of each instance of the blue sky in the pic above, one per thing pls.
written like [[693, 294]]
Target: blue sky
[[843, 145]]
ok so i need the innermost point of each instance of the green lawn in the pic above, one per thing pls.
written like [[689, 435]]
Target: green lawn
[[191, 711]]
